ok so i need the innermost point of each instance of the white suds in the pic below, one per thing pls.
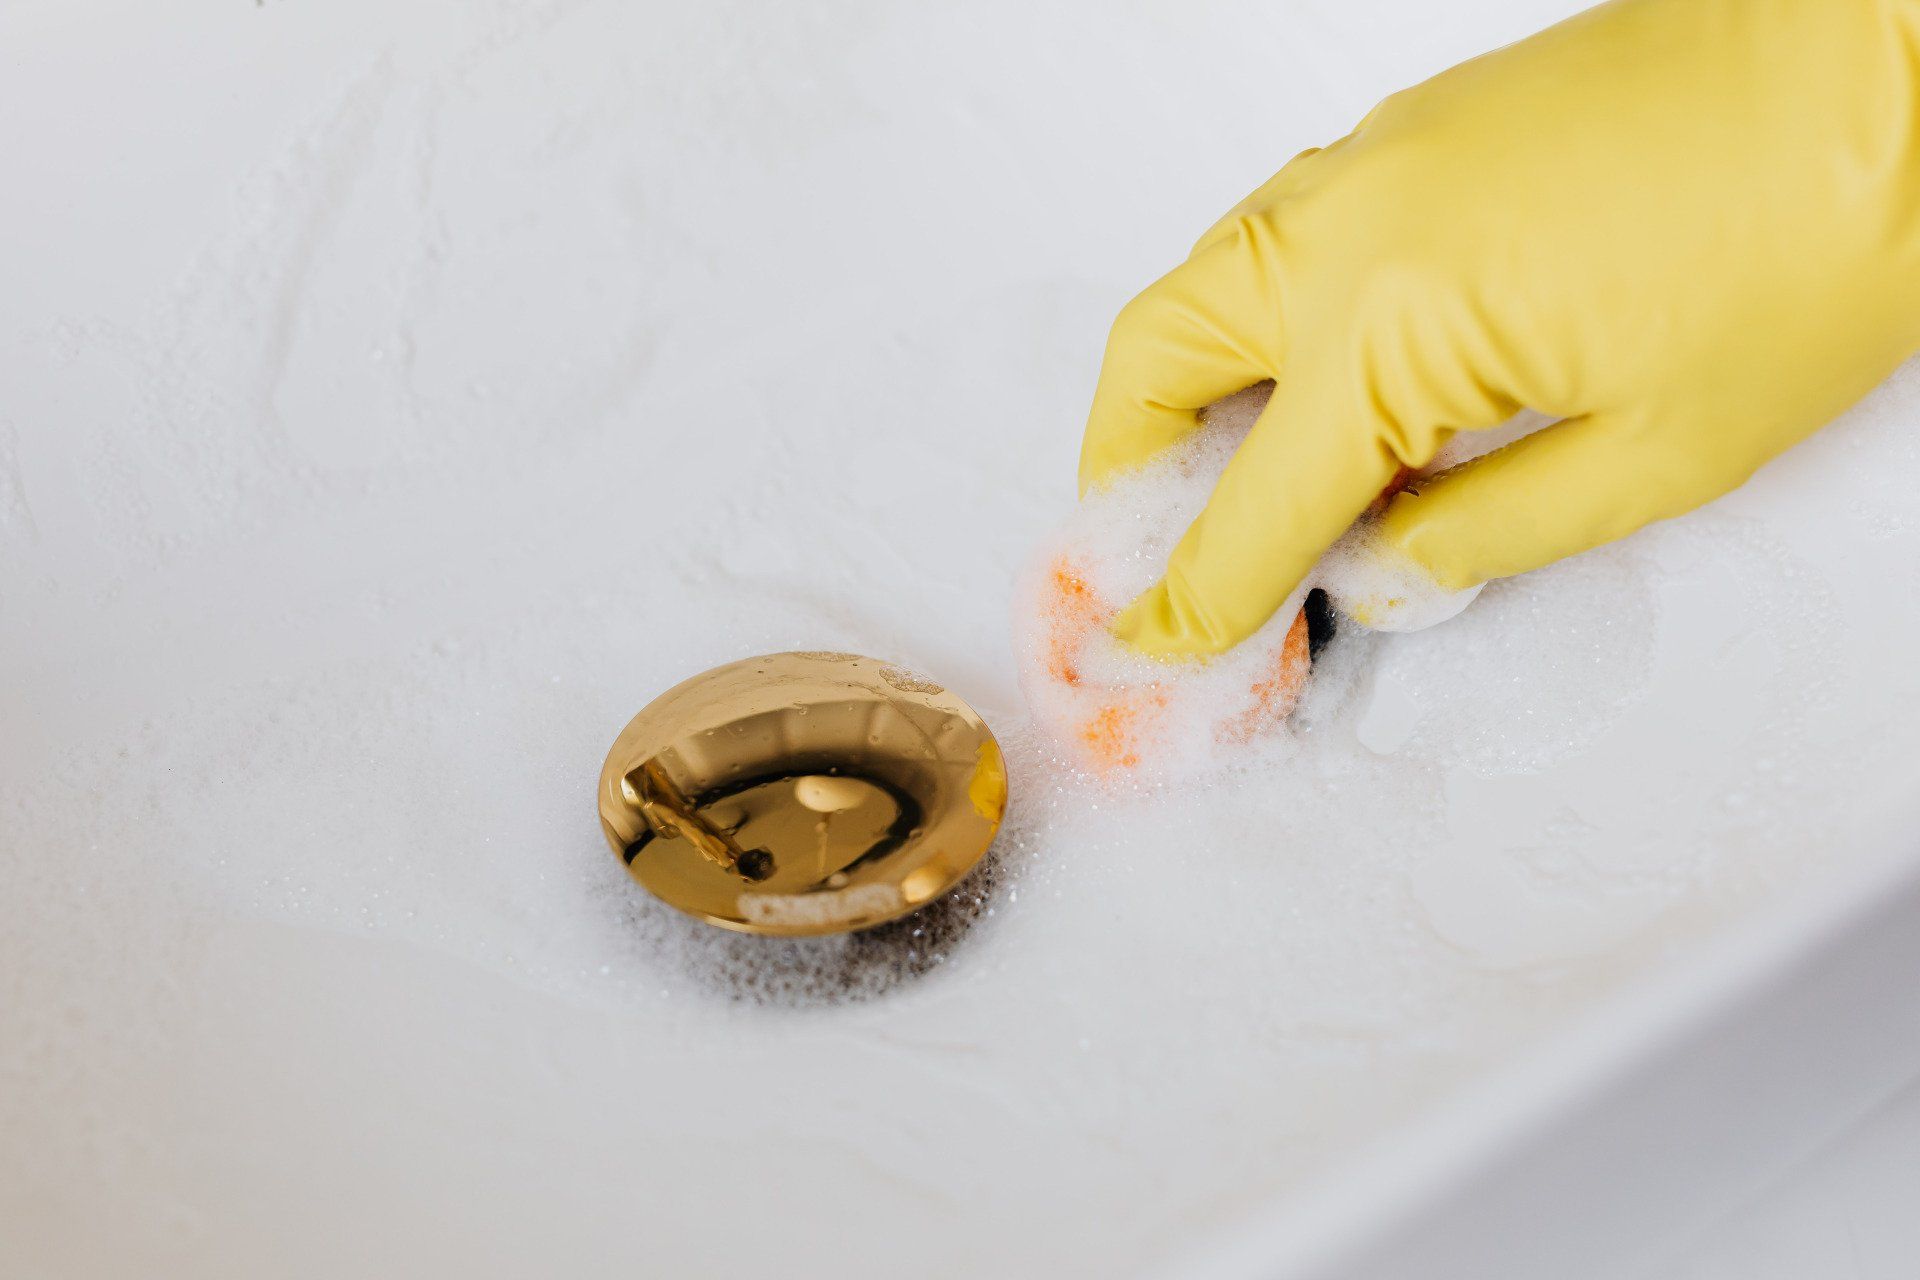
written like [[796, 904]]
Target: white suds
[[1119, 713]]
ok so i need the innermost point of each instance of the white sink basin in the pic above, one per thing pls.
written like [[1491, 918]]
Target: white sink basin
[[397, 397]]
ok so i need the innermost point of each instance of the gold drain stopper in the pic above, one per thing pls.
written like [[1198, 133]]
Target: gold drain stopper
[[802, 793]]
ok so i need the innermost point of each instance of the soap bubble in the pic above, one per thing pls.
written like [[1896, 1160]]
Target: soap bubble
[[1119, 714]]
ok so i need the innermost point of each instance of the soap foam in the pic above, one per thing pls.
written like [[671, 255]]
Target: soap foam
[[832, 969], [1120, 713], [1117, 709]]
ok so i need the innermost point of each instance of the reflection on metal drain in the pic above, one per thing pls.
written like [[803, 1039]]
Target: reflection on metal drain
[[802, 793]]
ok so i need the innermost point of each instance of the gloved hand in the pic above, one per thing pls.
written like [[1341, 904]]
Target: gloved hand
[[1689, 228]]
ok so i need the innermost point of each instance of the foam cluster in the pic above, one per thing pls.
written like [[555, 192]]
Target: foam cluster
[[1117, 712]]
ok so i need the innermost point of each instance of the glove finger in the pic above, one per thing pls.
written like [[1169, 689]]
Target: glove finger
[[1208, 328], [1268, 193], [1312, 463], [1561, 491]]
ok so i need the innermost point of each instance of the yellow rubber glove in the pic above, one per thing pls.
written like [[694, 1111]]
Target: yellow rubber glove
[[1690, 228]]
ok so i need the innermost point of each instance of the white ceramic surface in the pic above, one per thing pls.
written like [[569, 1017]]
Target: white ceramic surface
[[393, 398]]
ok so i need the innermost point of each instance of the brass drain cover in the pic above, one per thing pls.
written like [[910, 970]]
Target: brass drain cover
[[802, 793]]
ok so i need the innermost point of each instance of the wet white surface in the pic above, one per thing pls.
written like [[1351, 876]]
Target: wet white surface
[[397, 397], [1845, 1211]]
